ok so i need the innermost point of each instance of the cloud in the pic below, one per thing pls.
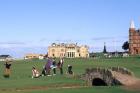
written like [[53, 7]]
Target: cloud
[[43, 40], [102, 38], [109, 38], [12, 43], [60, 40], [19, 52]]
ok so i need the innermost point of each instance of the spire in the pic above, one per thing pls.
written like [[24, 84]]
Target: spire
[[132, 24], [104, 50], [104, 43]]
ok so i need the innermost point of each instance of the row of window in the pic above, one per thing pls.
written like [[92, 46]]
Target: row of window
[[69, 54], [31, 56], [135, 34], [135, 41], [53, 50], [62, 50], [135, 37], [135, 45]]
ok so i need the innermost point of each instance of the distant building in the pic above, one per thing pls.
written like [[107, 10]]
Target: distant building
[[68, 51], [34, 56], [5, 57], [134, 40], [41, 56]]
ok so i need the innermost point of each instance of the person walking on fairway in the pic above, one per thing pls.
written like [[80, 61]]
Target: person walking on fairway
[[69, 70], [54, 67], [60, 65], [7, 69], [44, 73], [48, 66]]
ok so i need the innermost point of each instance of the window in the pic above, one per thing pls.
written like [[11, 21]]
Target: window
[[53, 50], [62, 50], [78, 50]]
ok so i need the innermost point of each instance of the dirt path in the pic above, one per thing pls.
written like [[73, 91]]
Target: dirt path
[[129, 82], [135, 86], [125, 79], [65, 86]]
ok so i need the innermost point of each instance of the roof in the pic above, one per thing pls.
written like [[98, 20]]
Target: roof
[[32, 54], [35, 54], [4, 56]]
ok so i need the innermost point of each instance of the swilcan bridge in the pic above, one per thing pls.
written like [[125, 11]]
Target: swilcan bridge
[[108, 77]]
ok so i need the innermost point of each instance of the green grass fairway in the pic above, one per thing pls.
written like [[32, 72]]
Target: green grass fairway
[[21, 81]]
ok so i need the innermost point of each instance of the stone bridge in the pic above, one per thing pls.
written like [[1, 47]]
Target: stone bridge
[[108, 77]]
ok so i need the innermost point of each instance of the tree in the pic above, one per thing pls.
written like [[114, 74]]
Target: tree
[[125, 45], [92, 54]]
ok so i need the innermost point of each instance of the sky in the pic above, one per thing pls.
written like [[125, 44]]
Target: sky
[[30, 26]]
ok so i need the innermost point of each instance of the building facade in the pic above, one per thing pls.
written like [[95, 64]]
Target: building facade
[[34, 56], [134, 40], [5, 58], [68, 51]]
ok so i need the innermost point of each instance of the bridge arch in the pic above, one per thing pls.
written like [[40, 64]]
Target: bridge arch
[[98, 82]]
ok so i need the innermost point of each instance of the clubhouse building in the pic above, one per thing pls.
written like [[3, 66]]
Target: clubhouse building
[[68, 50]]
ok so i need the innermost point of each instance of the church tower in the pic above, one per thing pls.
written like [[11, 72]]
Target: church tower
[[131, 34], [134, 40]]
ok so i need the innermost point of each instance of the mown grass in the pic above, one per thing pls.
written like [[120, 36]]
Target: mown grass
[[21, 76]]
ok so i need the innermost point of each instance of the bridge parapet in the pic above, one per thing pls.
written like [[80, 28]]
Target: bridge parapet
[[122, 70], [105, 75]]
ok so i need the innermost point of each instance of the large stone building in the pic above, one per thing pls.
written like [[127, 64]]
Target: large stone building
[[68, 50], [134, 39]]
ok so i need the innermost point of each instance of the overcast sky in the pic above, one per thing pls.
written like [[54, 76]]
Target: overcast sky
[[34, 24]]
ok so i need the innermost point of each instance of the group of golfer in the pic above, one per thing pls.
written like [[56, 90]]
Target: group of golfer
[[51, 64]]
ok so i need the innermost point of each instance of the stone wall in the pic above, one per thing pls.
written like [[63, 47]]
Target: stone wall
[[105, 74]]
